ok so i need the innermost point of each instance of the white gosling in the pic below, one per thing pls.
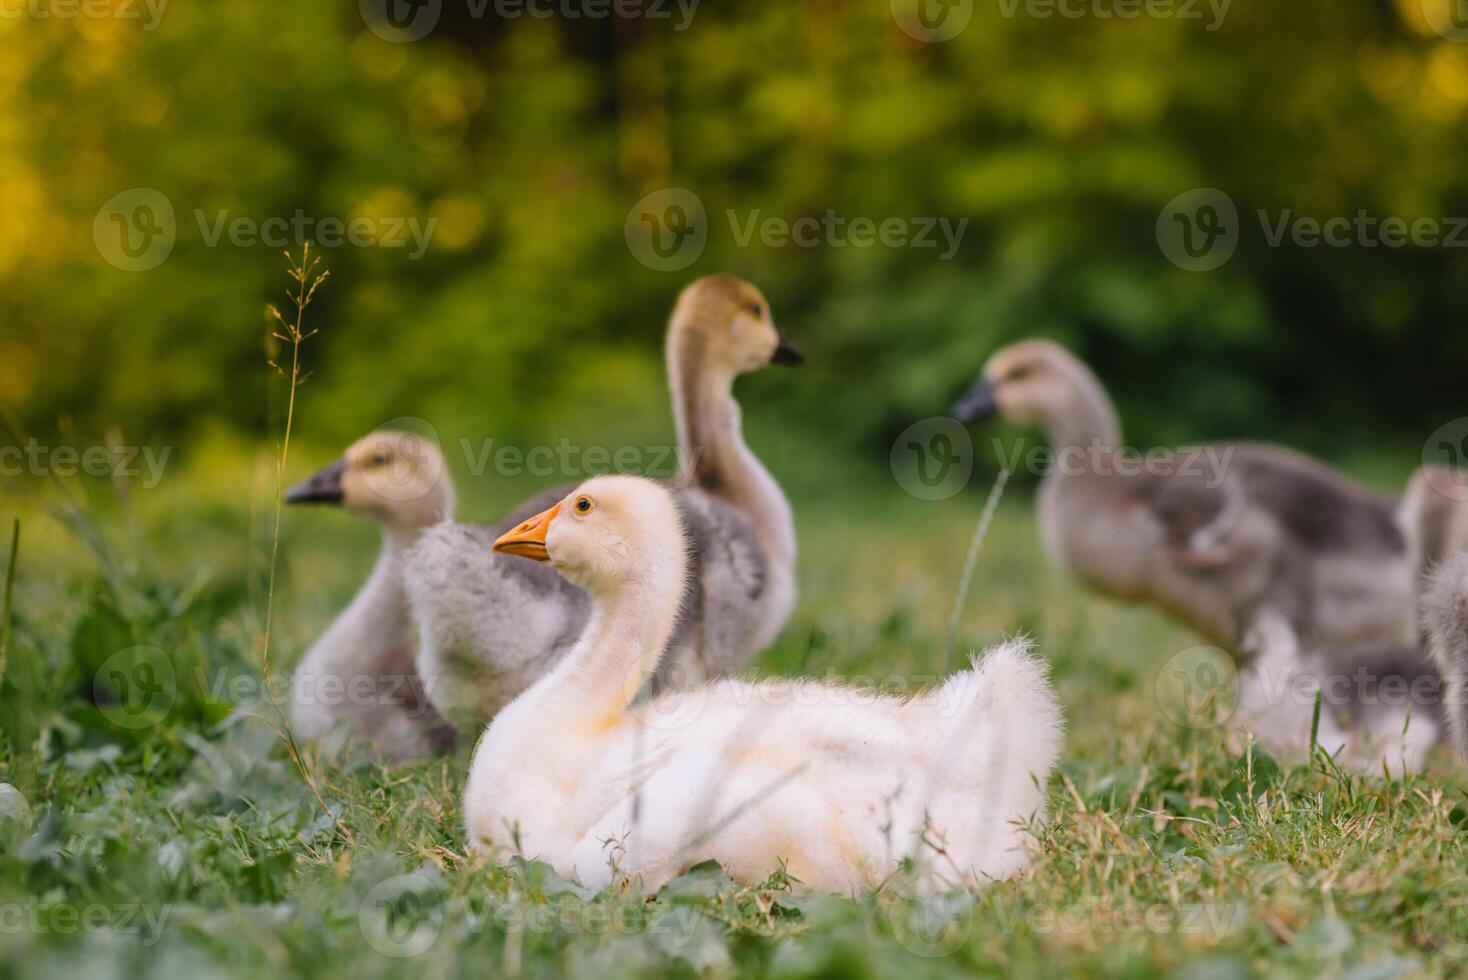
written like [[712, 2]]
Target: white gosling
[[358, 681], [837, 786], [491, 625], [1269, 554]]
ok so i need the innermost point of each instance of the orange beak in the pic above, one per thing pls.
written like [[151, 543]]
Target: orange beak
[[528, 540]]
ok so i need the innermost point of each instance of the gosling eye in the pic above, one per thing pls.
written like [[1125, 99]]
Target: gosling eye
[[378, 459], [584, 505], [1018, 374], [758, 310]]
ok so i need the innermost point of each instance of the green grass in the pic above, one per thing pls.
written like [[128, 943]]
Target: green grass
[[192, 846]]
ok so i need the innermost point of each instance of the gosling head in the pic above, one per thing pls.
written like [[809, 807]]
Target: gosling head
[[609, 532], [727, 324], [395, 478], [1032, 383]]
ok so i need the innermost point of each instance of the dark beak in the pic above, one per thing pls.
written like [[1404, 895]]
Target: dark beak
[[325, 487], [787, 353], [977, 403]]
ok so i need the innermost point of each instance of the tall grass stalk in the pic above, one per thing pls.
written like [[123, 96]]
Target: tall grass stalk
[[9, 601], [966, 580], [290, 329], [21, 680]]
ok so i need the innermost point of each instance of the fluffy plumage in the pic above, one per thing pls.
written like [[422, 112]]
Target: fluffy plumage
[[1221, 537], [358, 680], [1445, 614], [1291, 567], [490, 625], [838, 785]]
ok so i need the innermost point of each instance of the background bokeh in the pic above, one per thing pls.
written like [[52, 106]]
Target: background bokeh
[[530, 139], [534, 144]]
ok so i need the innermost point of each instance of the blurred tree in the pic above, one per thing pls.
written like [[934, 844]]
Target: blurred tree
[[527, 141]]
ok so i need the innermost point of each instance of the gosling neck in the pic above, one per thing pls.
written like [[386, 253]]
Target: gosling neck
[[713, 455], [629, 629], [1088, 421]]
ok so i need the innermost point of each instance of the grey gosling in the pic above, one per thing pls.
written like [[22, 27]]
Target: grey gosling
[[1267, 553], [358, 680]]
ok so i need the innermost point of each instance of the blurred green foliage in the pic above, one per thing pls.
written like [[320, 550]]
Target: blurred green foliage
[[528, 140]]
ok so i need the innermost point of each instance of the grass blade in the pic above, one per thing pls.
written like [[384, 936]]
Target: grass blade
[[9, 600], [980, 533]]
